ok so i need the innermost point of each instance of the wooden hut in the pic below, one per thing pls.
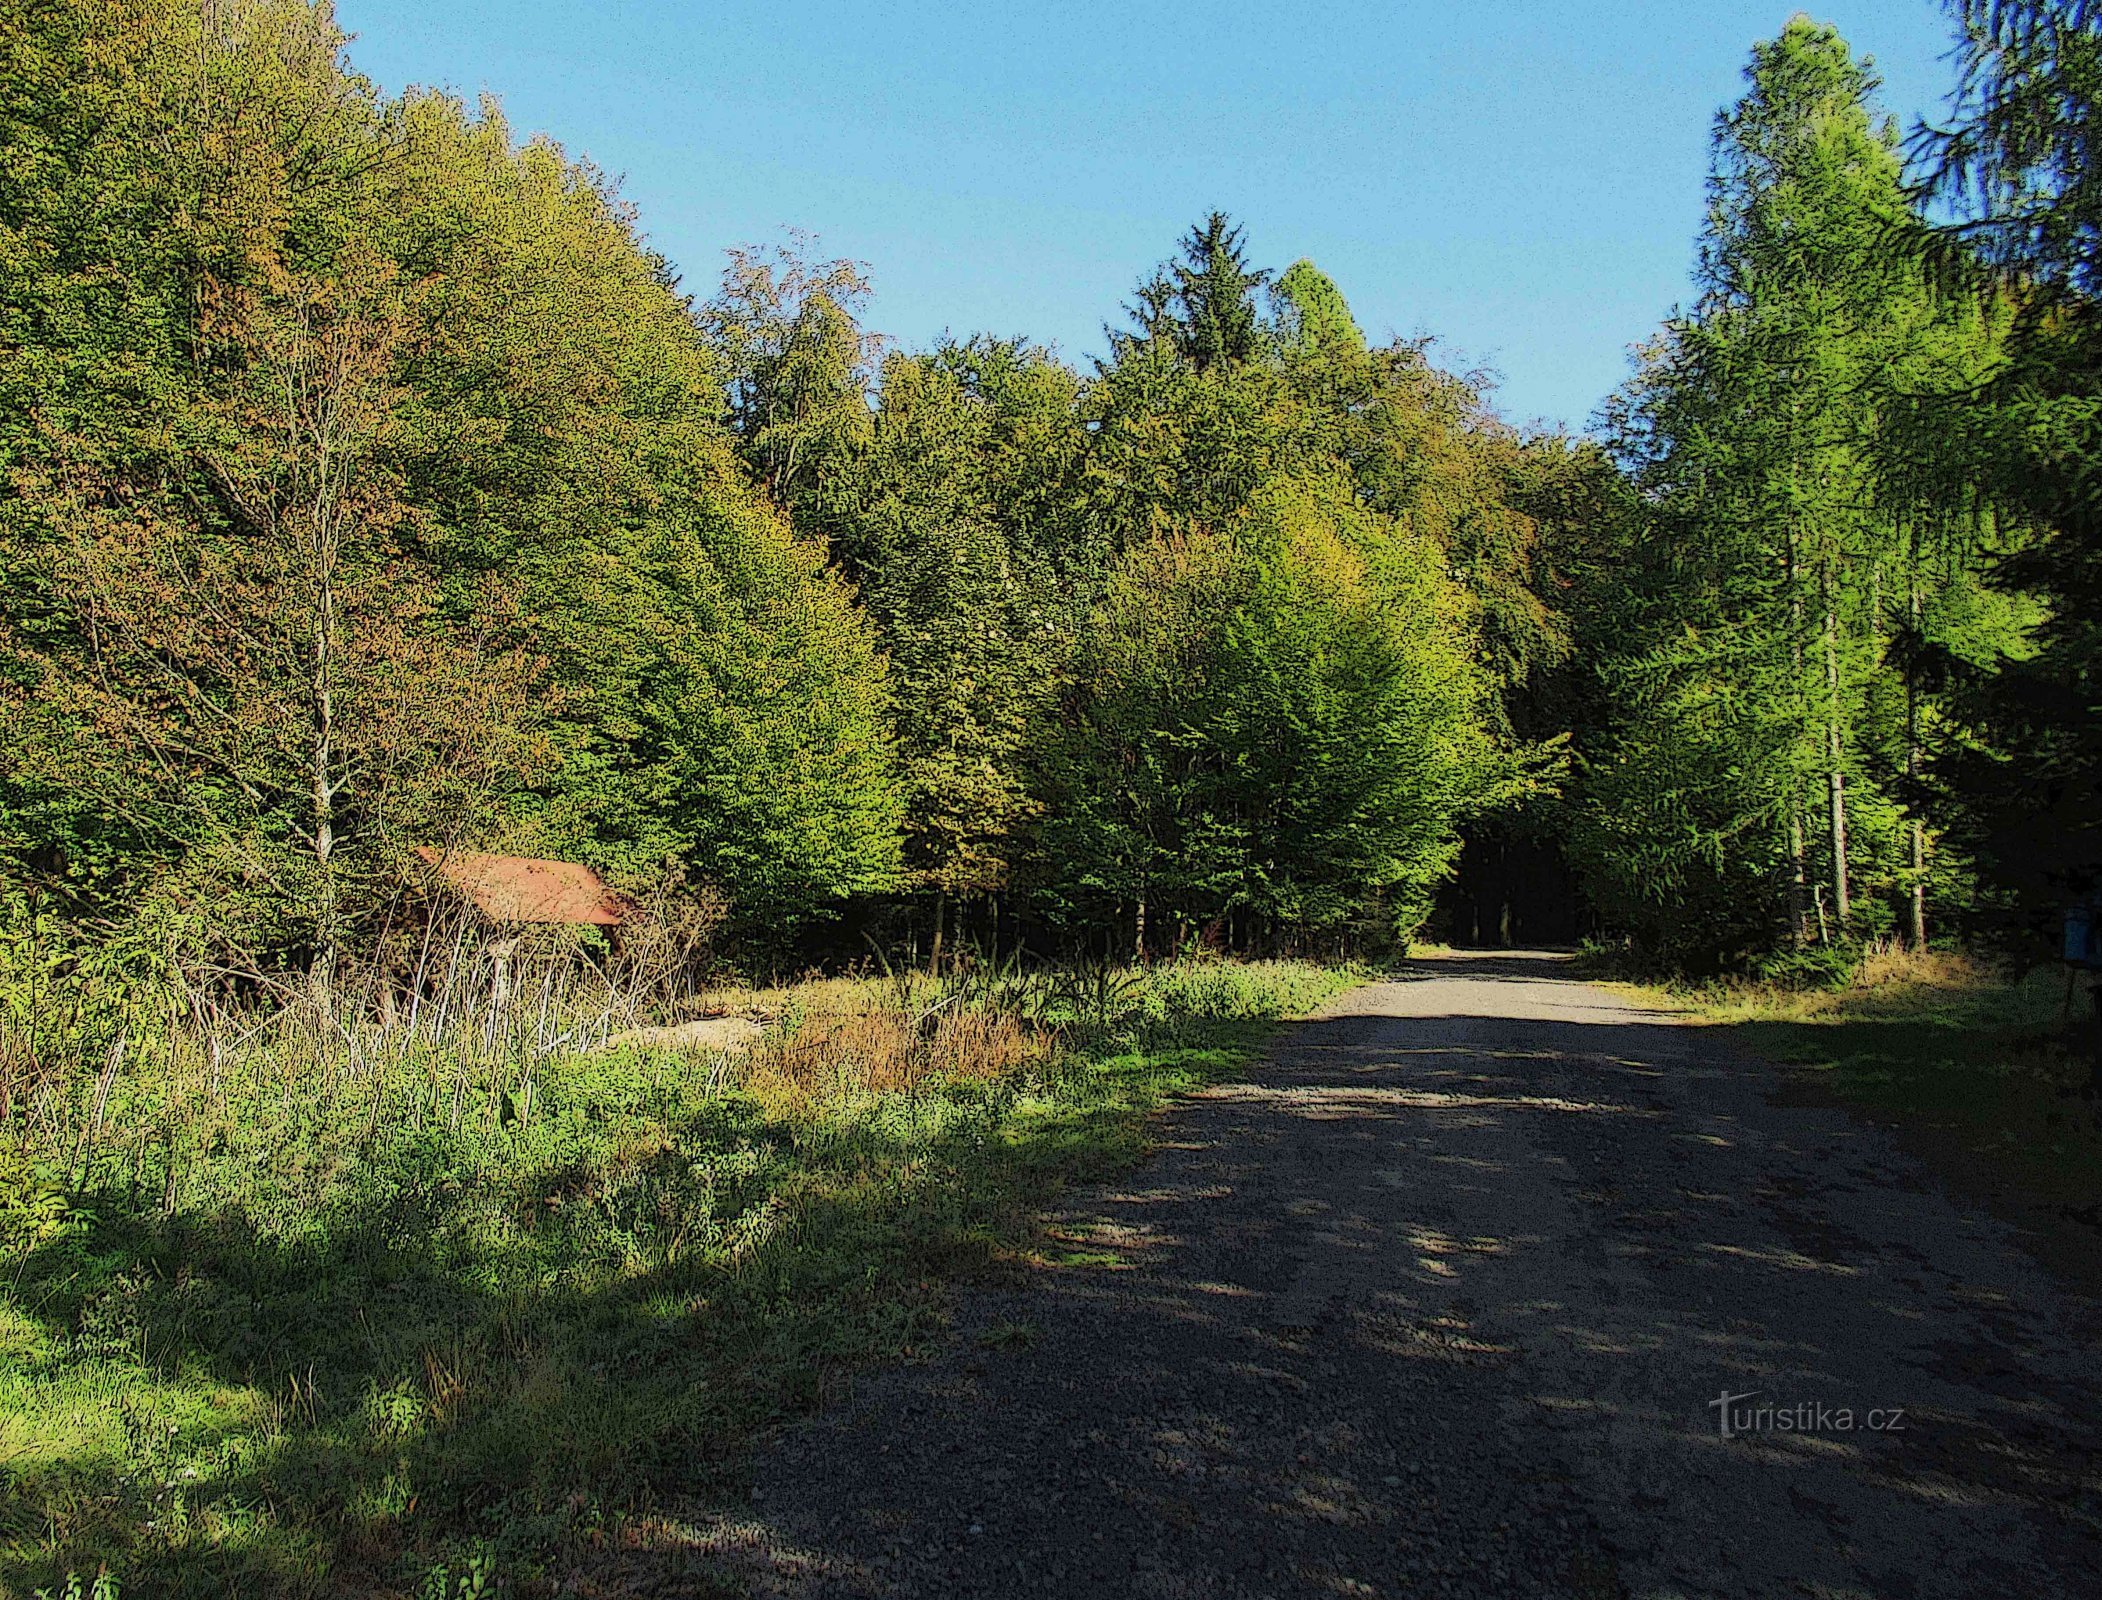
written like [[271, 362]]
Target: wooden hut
[[514, 890]]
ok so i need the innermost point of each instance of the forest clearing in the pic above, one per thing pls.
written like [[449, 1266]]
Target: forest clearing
[[596, 871]]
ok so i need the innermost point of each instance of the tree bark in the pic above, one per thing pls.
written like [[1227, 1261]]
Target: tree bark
[[1842, 900], [322, 751], [322, 391], [321, 754], [1916, 933], [1799, 869], [1799, 873]]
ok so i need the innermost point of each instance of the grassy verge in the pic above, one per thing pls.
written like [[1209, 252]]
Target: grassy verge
[[384, 1336], [1984, 1075]]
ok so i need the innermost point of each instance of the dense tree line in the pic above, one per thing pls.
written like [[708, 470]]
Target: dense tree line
[[371, 485], [1844, 668], [1758, 771]]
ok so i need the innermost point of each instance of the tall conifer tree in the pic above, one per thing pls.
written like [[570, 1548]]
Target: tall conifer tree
[[1755, 769]]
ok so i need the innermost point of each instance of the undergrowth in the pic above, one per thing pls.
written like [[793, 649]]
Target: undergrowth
[[263, 1330]]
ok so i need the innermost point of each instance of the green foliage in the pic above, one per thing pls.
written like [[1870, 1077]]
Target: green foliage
[[2018, 154], [726, 708], [1199, 310], [35, 1207], [1312, 315], [2016, 165], [368, 483], [390, 505], [797, 368], [1280, 723], [104, 1587], [1756, 783], [385, 492], [992, 508], [1215, 293], [441, 1583], [961, 605]]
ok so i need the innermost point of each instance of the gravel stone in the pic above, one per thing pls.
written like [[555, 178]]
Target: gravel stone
[[1439, 1301]]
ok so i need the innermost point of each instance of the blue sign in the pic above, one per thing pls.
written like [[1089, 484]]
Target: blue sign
[[2080, 944]]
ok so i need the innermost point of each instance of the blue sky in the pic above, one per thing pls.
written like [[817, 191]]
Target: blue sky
[[1520, 178]]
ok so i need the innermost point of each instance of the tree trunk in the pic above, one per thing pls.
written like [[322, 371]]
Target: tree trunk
[[321, 751], [1799, 882], [1799, 874], [1916, 907], [1842, 901]]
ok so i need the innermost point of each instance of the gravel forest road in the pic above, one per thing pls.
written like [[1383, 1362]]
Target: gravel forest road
[[1440, 1300]]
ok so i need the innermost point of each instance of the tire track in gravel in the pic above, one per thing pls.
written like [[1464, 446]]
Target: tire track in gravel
[[1437, 1301]]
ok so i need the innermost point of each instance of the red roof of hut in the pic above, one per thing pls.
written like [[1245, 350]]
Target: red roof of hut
[[526, 889]]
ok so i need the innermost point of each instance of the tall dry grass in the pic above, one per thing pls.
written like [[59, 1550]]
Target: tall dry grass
[[114, 1053], [856, 1052], [1886, 975], [1890, 962]]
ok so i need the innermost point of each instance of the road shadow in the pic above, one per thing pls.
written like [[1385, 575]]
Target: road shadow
[[1443, 1296]]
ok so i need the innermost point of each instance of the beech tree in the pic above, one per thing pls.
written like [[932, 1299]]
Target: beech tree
[[1276, 732], [305, 554]]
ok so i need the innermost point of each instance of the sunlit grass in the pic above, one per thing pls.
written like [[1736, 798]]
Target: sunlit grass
[[397, 1323]]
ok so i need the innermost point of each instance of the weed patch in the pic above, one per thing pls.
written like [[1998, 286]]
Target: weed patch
[[275, 1340]]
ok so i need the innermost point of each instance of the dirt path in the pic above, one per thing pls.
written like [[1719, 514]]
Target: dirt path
[[1440, 1302]]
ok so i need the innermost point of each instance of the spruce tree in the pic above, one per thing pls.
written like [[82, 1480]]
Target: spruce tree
[[1215, 292], [2017, 165]]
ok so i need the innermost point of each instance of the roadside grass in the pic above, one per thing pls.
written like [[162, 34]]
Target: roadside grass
[[431, 1333], [1985, 1074]]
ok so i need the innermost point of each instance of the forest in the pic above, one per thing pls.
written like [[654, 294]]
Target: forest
[[371, 491], [373, 486]]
